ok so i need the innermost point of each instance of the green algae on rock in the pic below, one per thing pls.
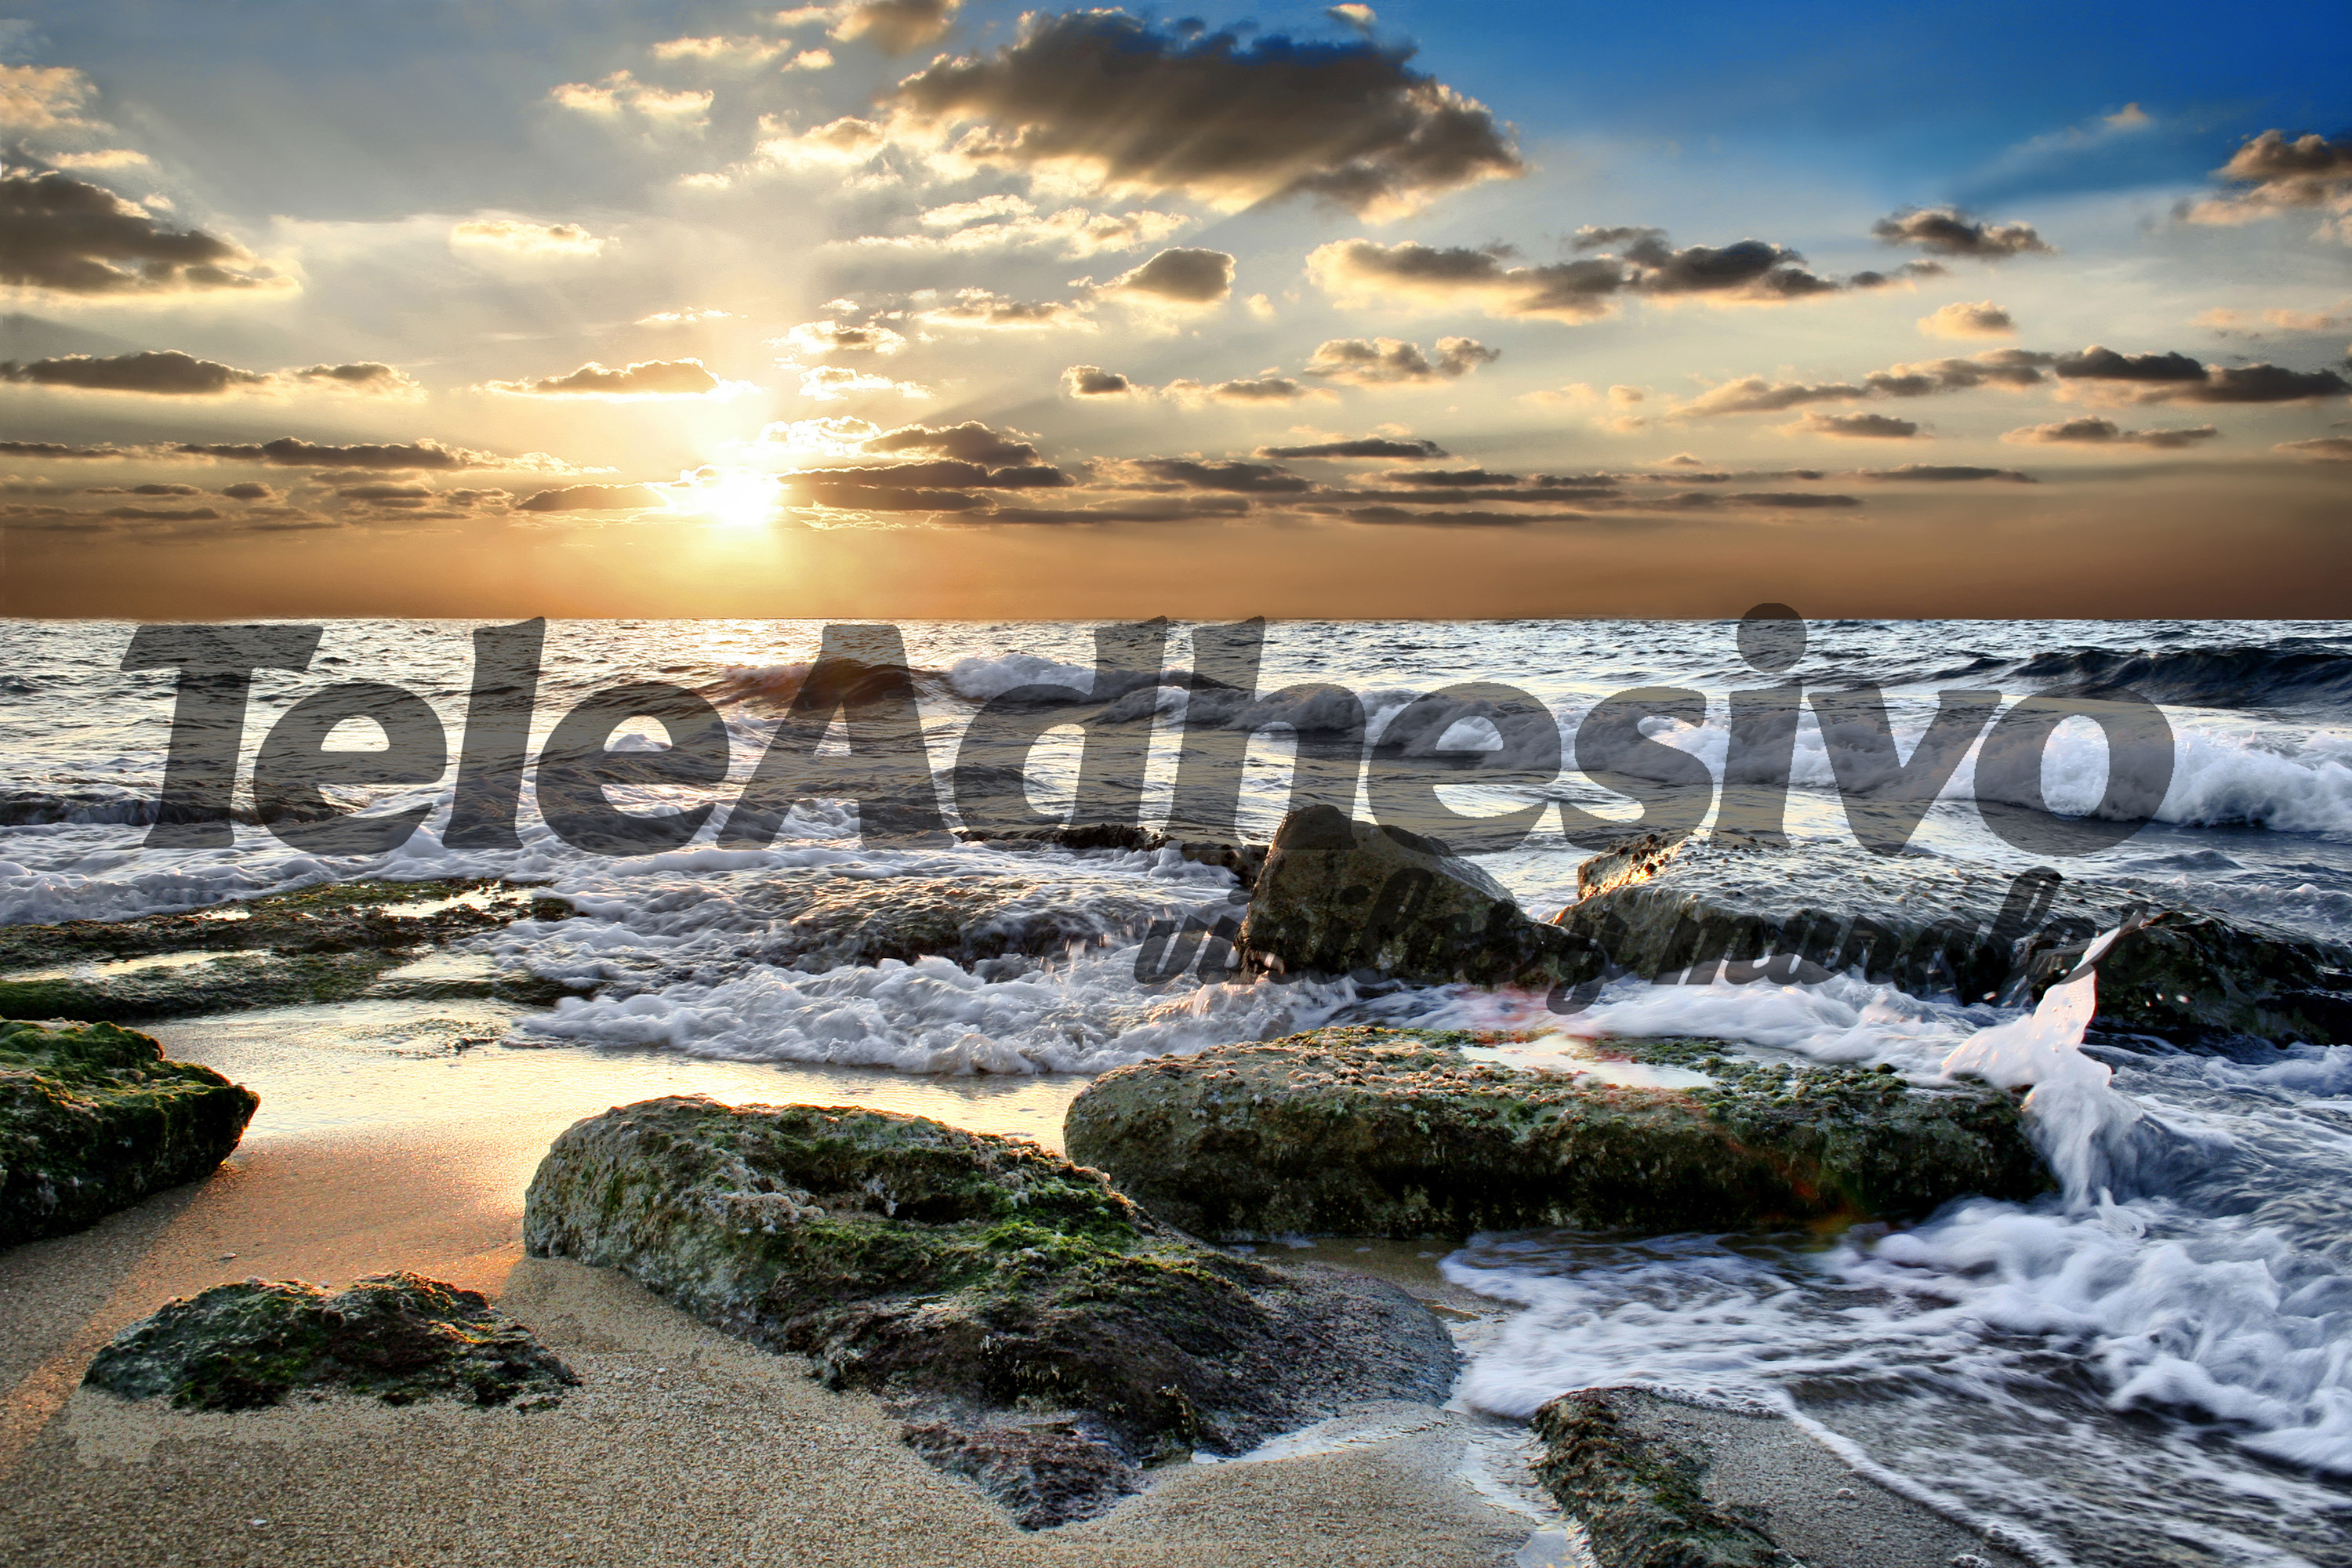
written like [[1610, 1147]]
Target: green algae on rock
[[1641, 1501], [1367, 1131], [1037, 1331], [93, 1119], [398, 1337], [327, 944]]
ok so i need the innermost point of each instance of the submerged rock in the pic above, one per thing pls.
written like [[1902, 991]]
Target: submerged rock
[[1719, 904], [328, 943], [1035, 1331], [1369, 1132], [399, 1337], [1336, 897], [1642, 1501], [93, 1119]]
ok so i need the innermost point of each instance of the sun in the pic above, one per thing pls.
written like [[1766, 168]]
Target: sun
[[732, 498]]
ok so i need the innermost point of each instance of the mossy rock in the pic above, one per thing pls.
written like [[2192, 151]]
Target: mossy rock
[[397, 1337], [93, 1119], [965, 1278], [1371, 1131], [1641, 1502]]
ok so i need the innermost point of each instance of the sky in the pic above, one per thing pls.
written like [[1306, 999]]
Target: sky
[[911, 309]]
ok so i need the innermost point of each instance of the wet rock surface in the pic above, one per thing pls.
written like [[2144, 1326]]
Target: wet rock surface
[[1371, 1131], [1719, 904], [397, 1337], [318, 944], [1035, 1330], [1659, 1484], [93, 1119], [1337, 897]]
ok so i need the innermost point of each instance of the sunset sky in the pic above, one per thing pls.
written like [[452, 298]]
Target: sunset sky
[[903, 307]]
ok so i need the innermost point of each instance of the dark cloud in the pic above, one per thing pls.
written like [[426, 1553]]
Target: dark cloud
[[248, 491], [1456, 477], [364, 375], [1181, 277], [1229, 120], [1796, 498], [944, 473], [1948, 231], [2319, 448], [163, 514], [2096, 363], [1440, 518], [1946, 473], [982, 311], [1258, 390], [1755, 394], [881, 497], [2092, 431], [896, 27], [1594, 236], [2283, 173], [1093, 380], [589, 498], [2261, 383], [971, 441], [1174, 509], [1749, 271], [146, 489], [1387, 361], [1191, 473], [1384, 449], [70, 236], [1877, 427], [291, 451], [167, 373], [650, 378]]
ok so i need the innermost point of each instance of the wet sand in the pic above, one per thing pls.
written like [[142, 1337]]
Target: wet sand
[[683, 1446]]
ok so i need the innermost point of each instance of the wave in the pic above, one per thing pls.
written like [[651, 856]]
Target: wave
[[2293, 673]]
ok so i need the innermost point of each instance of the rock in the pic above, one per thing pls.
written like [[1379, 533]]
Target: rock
[[1336, 897], [1242, 859], [1033, 1330], [1369, 1131], [93, 1119], [1716, 903], [399, 1337], [328, 943], [1660, 1484]]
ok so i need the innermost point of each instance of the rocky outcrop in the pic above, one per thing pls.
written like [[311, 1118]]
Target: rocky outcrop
[[1367, 1131], [93, 1119], [1722, 904], [1336, 897], [1035, 1330], [1661, 1484], [1242, 859], [397, 1337], [328, 943]]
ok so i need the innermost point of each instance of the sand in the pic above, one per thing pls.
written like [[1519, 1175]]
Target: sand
[[683, 1446]]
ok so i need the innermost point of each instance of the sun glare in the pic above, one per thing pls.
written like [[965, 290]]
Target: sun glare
[[735, 498]]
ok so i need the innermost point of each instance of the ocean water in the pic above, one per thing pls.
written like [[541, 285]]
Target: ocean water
[[2155, 1367]]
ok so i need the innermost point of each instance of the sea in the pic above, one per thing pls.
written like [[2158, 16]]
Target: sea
[[2152, 1366]]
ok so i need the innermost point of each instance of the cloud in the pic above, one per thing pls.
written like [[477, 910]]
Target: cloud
[[1129, 106], [70, 236], [722, 51], [2010, 368], [648, 378], [1945, 473], [834, 337], [1382, 448], [291, 451], [2098, 363], [1948, 231], [1262, 391], [1180, 276], [167, 373], [2178, 378], [1073, 232], [103, 158], [2319, 448], [521, 237], [1352, 16], [1454, 478], [2090, 431], [590, 498], [366, 377], [838, 143], [1873, 427], [835, 383], [42, 97], [1192, 473], [2226, 322], [1750, 271], [684, 317], [979, 310], [1388, 361], [895, 27], [2281, 175], [970, 442], [1982, 320], [1093, 380], [1754, 394], [248, 490], [622, 94]]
